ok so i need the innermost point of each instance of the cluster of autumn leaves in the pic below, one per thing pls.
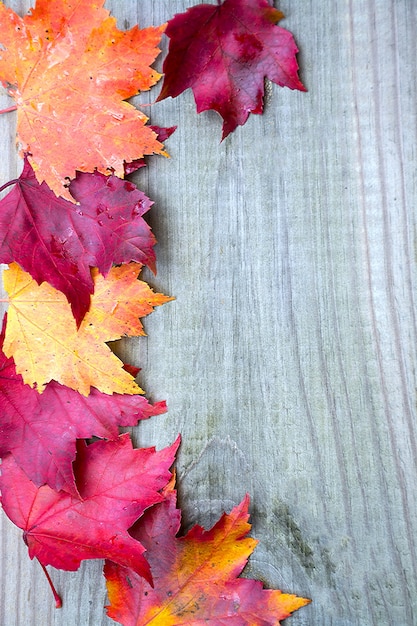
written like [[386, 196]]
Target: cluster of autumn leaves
[[73, 233]]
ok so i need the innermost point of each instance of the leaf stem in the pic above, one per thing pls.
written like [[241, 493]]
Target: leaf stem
[[11, 182], [58, 601], [9, 109]]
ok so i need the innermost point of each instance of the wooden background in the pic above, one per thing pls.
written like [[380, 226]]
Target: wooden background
[[288, 356]]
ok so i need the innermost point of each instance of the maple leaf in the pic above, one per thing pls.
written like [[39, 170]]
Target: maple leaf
[[70, 71], [42, 336], [40, 430], [224, 53], [58, 242], [116, 483], [195, 577], [162, 134]]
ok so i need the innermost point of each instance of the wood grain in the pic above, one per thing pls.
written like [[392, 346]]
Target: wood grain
[[288, 356]]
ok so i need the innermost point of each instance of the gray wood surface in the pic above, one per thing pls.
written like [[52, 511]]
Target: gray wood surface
[[288, 356]]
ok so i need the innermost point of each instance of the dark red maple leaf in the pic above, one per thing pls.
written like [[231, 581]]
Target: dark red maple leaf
[[40, 430], [224, 52], [116, 483], [58, 242]]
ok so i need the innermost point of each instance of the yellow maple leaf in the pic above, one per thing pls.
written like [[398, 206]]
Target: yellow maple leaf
[[70, 69], [42, 336]]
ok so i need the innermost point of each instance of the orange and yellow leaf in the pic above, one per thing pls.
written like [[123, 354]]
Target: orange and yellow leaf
[[70, 71], [42, 336], [195, 577]]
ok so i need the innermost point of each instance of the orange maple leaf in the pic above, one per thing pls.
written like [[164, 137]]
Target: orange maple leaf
[[42, 336], [70, 69], [195, 577]]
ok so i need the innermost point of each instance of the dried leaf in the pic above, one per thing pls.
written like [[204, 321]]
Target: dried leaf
[[116, 484], [59, 242], [224, 52], [66, 67], [195, 577], [43, 339], [40, 430]]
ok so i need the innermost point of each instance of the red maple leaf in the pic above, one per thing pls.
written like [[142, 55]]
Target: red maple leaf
[[224, 53], [195, 577], [58, 242], [40, 430], [116, 484]]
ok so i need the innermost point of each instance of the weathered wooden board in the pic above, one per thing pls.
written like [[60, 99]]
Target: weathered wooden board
[[288, 356]]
